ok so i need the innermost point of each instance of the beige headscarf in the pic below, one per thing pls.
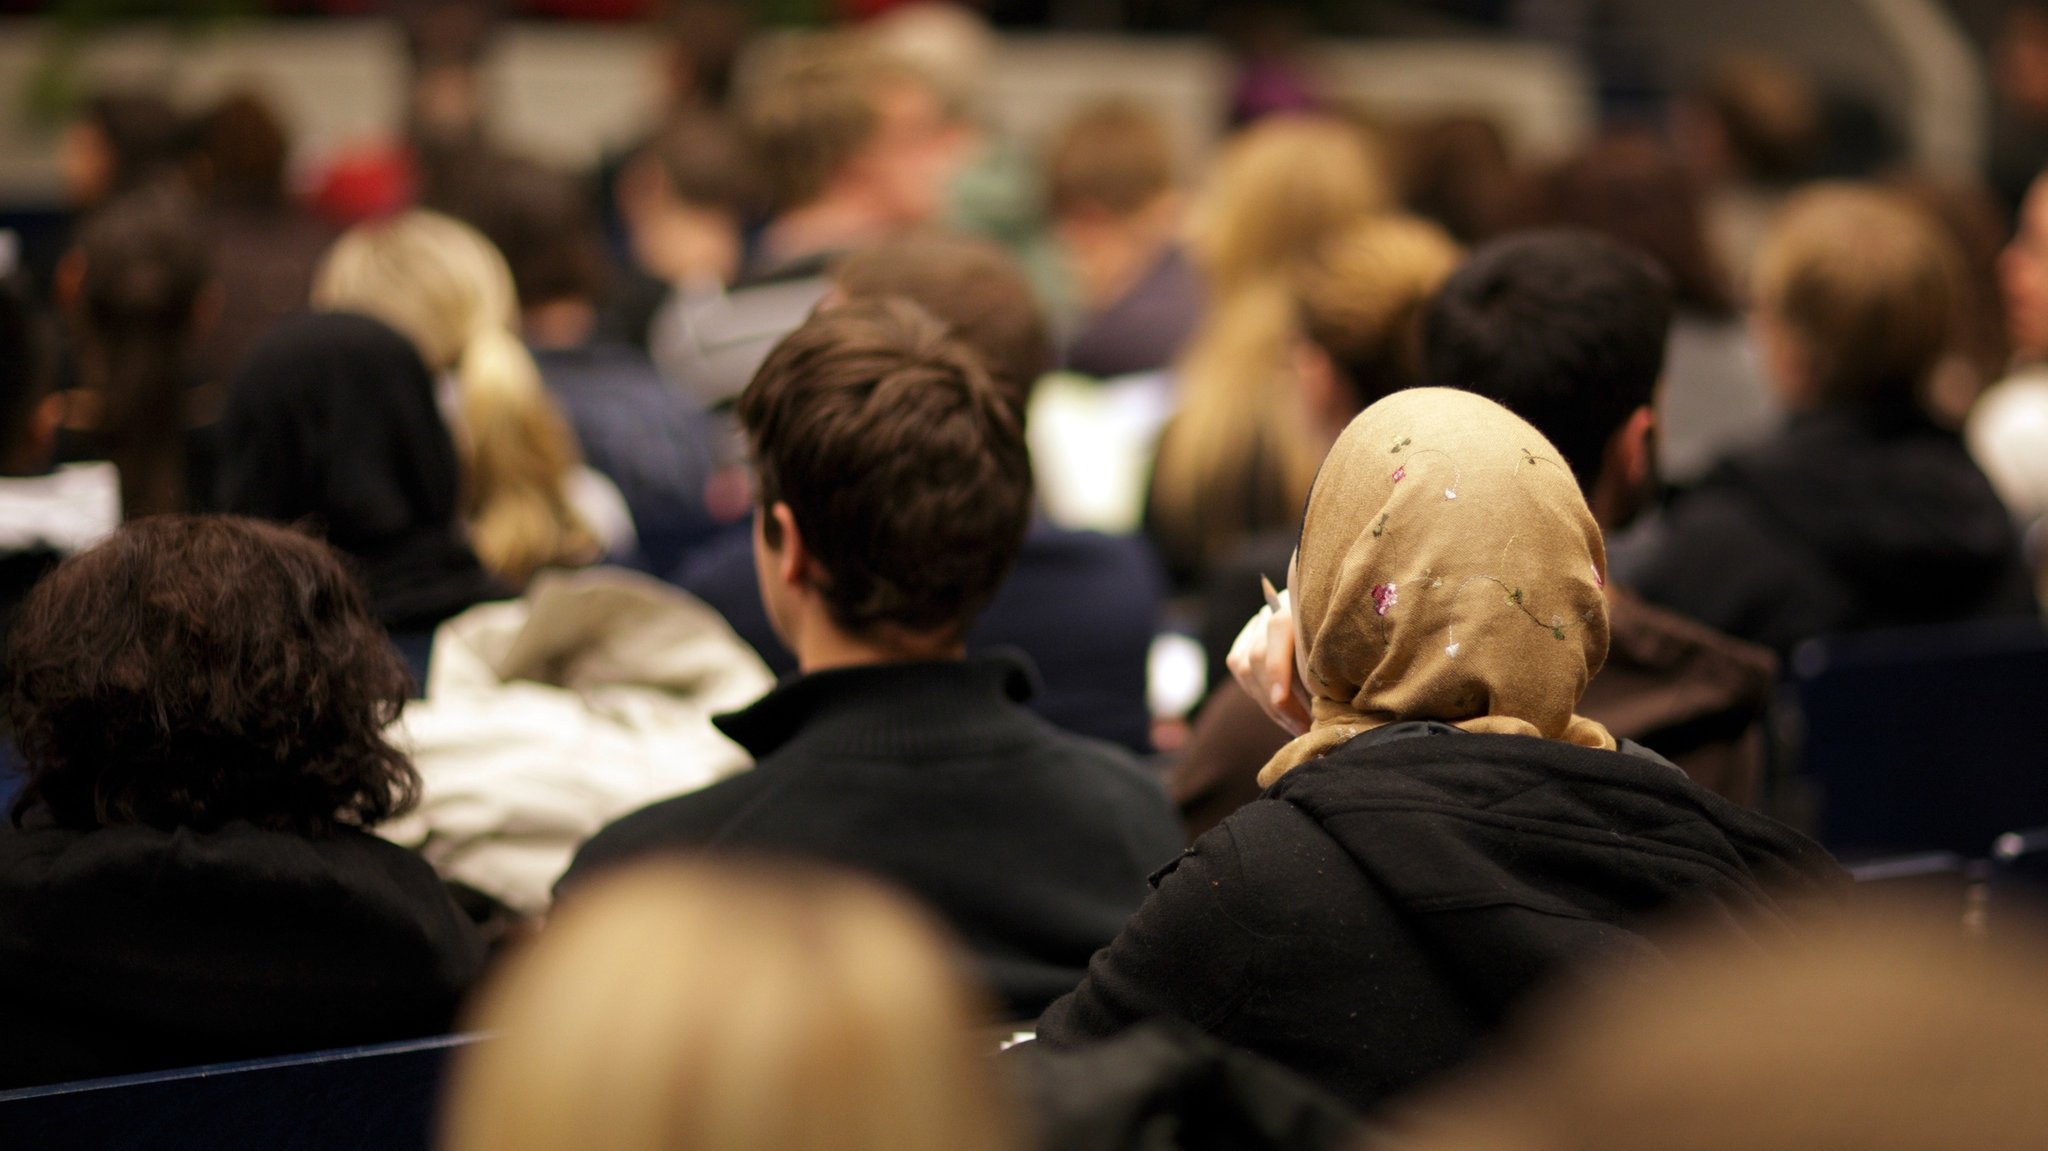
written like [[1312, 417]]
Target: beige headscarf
[[1448, 570]]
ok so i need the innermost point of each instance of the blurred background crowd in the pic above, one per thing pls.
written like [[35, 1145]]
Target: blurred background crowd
[[492, 295]]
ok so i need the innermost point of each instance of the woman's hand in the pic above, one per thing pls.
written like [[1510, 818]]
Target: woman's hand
[[1262, 660]]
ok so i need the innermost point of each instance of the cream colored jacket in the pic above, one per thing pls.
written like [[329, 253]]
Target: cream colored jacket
[[549, 716]]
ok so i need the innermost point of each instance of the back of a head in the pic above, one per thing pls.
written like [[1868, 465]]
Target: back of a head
[[815, 111], [704, 164], [1634, 189], [144, 262], [1115, 157], [735, 1008], [951, 44], [430, 276], [332, 419], [192, 671], [705, 39], [902, 461], [1769, 115], [143, 134], [242, 148], [974, 287], [542, 222], [1280, 189], [1457, 170], [1866, 284], [1566, 329], [1890, 1031], [1361, 296]]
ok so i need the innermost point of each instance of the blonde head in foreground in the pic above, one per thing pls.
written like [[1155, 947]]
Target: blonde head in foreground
[[707, 1006], [1888, 1030]]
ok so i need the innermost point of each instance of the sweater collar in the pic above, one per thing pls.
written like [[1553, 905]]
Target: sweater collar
[[891, 709]]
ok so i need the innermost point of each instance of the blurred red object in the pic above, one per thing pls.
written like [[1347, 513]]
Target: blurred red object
[[367, 181]]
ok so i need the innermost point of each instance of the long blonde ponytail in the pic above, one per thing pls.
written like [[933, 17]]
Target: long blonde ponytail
[[517, 454], [1239, 452]]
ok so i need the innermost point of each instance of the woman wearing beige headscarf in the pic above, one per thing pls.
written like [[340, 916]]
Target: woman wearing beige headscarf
[[1448, 833]]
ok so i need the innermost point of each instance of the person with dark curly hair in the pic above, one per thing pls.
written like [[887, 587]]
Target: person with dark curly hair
[[186, 876]]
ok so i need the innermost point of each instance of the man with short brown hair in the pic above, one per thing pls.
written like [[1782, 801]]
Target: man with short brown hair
[[894, 486], [894, 494], [855, 147], [1081, 606], [1116, 209]]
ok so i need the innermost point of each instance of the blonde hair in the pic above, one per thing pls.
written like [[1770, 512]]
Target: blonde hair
[[1280, 190], [1869, 286], [446, 288], [1890, 1029], [1360, 297], [718, 1007]]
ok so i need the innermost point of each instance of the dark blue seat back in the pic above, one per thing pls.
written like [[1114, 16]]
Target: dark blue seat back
[[11, 777], [356, 1099], [1932, 739]]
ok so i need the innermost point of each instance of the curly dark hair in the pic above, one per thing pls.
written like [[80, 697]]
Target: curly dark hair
[[189, 671]]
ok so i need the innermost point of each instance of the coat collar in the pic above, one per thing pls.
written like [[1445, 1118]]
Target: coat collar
[[904, 709]]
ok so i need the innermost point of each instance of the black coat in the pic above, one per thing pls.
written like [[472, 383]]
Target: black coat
[[1380, 911], [1031, 843], [1849, 519], [127, 949]]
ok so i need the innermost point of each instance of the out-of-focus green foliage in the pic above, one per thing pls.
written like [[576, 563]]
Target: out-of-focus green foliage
[[55, 87]]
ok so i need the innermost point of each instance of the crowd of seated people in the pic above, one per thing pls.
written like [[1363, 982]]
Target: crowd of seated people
[[707, 623]]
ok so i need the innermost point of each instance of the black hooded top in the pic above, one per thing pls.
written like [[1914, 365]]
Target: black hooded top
[[332, 421], [1849, 519], [1380, 912]]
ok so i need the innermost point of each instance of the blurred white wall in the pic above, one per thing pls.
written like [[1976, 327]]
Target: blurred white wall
[[569, 94]]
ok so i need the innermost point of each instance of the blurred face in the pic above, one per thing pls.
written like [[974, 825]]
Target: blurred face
[[2023, 62], [85, 163], [913, 157], [2023, 277]]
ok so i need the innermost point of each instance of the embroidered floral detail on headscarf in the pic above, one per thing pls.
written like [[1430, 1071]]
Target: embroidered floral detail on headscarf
[[1383, 597], [1446, 651]]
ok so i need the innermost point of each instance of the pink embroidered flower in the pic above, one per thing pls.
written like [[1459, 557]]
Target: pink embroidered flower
[[1384, 597], [1599, 581], [1400, 473]]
